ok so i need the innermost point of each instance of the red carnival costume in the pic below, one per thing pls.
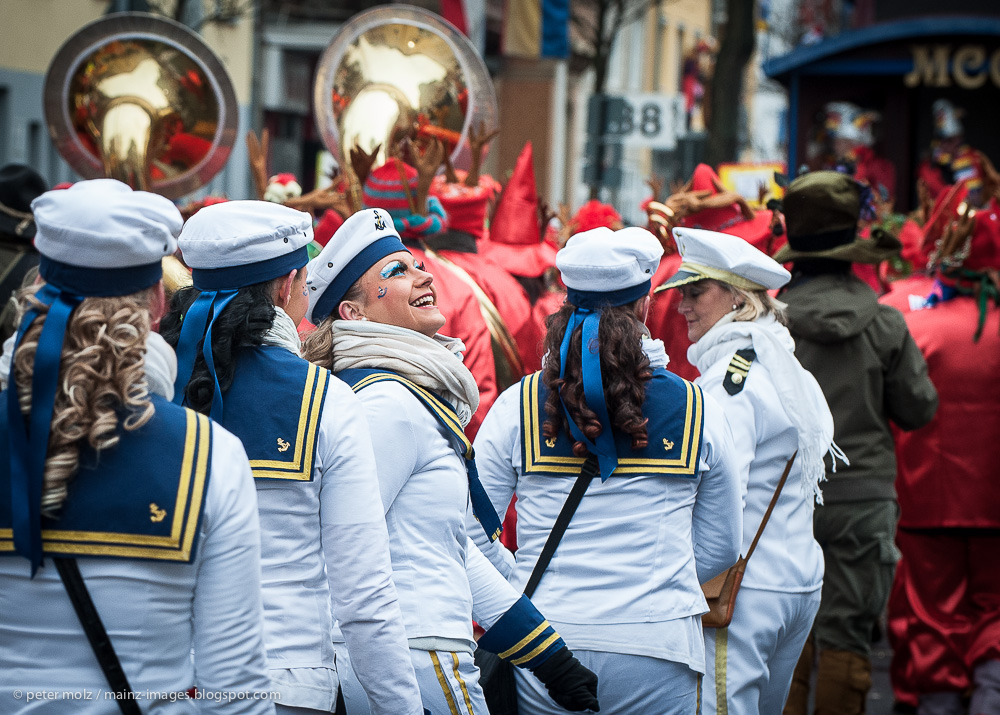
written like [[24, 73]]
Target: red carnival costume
[[466, 208], [944, 611], [515, 244]]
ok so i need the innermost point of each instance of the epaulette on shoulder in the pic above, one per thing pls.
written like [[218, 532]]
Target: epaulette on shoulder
[[739, 368]]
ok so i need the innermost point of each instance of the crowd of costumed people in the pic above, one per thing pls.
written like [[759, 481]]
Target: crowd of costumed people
[[417, 442]]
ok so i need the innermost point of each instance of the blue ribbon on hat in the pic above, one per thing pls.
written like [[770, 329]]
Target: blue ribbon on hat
[[218, 287], [589, 306], [65, 288]]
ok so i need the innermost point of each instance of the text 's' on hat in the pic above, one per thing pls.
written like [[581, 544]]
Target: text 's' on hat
[[725, 258], [19, 186], [365, 238], [602, 268], [230, 246], [96, 239], [515, 234]]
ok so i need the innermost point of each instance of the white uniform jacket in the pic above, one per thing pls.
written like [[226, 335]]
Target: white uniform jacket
[[442, 578], [787, 556], [625, 577], [328, 536], [155, 613]]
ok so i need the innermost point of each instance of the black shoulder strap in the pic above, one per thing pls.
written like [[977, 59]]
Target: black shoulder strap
[[587, 474], [69, 572]]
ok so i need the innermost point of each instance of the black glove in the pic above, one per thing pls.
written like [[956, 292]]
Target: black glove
[[572, 685]]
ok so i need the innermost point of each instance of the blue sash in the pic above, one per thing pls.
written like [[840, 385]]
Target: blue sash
[[142, 499], [274, 406], [483, 509], [676, 424]]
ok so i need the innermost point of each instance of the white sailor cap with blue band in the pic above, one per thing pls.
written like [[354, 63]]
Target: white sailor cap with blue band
[[602, 268], [230, 246], [97, 239], [725, 258], [364, 239]]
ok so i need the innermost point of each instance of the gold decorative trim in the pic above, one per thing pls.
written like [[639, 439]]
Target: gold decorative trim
[[299, 466], [686, 464], [444, 684], [183, 527]]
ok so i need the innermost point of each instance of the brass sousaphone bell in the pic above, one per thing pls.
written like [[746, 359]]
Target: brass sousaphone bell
[[391, 69], [144, 100]]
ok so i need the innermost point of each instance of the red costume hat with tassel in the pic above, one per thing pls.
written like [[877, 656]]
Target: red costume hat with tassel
[[515, 235]]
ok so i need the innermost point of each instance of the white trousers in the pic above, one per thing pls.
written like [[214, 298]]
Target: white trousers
[[449, 683], [626, 685], [750, 664]]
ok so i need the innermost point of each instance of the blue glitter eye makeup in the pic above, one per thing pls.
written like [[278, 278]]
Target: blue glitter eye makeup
[[418, 265], [396, 268]]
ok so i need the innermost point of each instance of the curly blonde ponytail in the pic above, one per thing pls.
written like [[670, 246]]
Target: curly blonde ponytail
[[101, 370]]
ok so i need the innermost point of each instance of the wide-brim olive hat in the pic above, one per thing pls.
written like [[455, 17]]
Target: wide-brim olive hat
[[821, 211]]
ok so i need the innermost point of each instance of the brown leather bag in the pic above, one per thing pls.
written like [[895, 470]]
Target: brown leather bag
[[721, 591]]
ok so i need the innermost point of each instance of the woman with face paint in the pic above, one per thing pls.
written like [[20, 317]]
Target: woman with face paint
[[776, 409], [377, 315]]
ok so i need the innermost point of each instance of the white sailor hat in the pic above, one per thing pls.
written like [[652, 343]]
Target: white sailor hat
[[365, 238], [101, 238], [239, 243], [947, 119], [725, 258], [605, 267]]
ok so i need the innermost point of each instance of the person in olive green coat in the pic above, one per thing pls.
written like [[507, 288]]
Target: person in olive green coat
[[871, 373]]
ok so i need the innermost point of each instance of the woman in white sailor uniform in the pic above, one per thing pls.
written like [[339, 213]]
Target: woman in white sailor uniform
[[323, 533], [623, 584], [776, 409], [377, 320], [101, 477]]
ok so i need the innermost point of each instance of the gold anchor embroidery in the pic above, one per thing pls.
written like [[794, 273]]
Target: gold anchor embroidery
[[550, 442], [668, 445], [156, 513], [283, 445]]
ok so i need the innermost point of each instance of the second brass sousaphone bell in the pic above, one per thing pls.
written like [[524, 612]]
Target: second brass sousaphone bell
[[394, 68]]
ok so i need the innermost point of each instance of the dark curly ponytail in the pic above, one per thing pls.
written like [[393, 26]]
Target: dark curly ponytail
[[242, 324], [624, 371]]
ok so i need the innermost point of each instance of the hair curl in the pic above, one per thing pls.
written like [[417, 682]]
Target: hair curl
[[625, 370], [101, 371], [241, 324], [317, 347]]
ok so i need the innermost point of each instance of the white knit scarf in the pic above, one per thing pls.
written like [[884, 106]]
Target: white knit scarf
[[283, 332], [799, 393], [433, 363]]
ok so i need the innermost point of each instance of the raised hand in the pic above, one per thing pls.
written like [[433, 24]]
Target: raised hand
[[362, 162], [656, 184], [257, 152], [478, 140], [426, 165]]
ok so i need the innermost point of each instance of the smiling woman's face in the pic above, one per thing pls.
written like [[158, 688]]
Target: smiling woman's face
[[702, 304], [398, 291]]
